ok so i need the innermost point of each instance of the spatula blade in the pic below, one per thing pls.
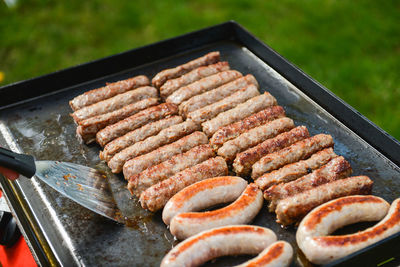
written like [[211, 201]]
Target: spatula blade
[[86, 186]]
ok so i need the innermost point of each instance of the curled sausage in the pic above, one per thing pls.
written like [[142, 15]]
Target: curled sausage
[[245, 160], [295, 170], [173, 73], [313, 233], [110, 90], [157, 173], [217, 242], [133, 122], [171, 86], [292, 209], [241, 211], [88, 128], [202, 86], [254, 136], [279, 254], [215, 95], [233, 130], [114, 103], [156, 196], [300, 150], [204, 194], [138, 164], [239, 112]]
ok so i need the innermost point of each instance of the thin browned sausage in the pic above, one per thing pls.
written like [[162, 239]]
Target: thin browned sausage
[[245, 160], [88, 128], [173, 73], [110, 90], [171, 86], [133, 122]]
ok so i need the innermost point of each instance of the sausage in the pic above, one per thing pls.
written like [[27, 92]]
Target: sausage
[[110, 90], [138, 164], [295, 170], [173, 73], [165, 136], [217, 94], [204, 194], [244, 160], [298, 151], [171, 86], [203, 85], [254, 136], [217, 242], [133, 122], [233, 130], [337, 168], [137, 135], [156, 196], [241, 211], [279, 254], [210, 111], [88, 128], [292, 209], [240, 112], [313, 233], [157, 173], [114, 103]]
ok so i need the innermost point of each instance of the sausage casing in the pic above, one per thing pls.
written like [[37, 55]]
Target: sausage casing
[[204, 194], [212, 110], [233, 130], [245, 160], [222, 241], [241, 111], [137, 135], [241, 211], [202, 86], [173, 73], [295, 170], [157, 173], [88, 128], [298, 151], [217, 94], [156, 196], [133, 122], [114, 103], [172, 85], [110, 90], [138, 164], [165, 136], [254, 136], [292, 209]]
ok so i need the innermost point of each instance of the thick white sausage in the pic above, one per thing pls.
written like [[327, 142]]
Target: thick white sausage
[[217, 242], [313, 233], [242, 211], [204, 194]]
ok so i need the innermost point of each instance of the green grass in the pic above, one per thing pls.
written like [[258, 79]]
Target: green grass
[[351, 47]]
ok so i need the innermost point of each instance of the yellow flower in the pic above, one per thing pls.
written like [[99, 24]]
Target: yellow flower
[[1, 76]]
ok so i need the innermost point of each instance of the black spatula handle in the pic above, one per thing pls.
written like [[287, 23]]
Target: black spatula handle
[[21, 163]]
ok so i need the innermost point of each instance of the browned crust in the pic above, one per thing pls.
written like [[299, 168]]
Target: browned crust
[[244, 160], [274, 252], [248, 196], [346, 240], [336, 205], [235, 129], [172, 73]]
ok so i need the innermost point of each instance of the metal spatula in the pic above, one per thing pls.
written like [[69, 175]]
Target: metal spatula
[[86, 186]]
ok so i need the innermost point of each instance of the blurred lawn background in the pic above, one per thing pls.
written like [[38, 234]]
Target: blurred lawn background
[[351, 47]]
